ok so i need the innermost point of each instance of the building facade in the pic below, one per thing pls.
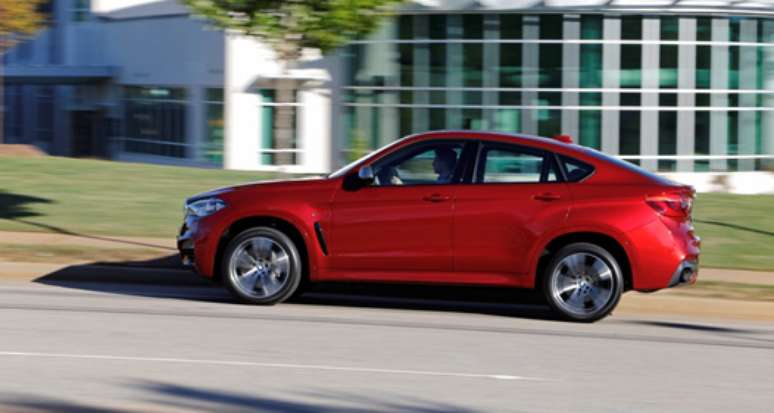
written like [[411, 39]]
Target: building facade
[[684, 85]]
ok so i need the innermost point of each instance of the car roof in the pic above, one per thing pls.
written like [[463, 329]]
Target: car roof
[[523, 139]]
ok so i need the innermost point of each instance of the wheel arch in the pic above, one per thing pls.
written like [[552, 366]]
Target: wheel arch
[[606, 241], [284, 225]]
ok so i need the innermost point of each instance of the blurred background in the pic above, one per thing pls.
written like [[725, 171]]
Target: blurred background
[[675, 86]]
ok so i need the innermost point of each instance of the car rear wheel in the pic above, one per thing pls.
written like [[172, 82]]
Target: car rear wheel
[[583, 282], [262, 266]]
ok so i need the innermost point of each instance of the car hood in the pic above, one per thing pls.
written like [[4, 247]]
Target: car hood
[[275, 184]]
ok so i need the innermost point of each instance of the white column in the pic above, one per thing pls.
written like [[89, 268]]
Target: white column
[[530, 58], [314, 129], [571, 76], [719, 80], [748, 79], [651, 64], [242, 107], [686, 79], [611, 65]]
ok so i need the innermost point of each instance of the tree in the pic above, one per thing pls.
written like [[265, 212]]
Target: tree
[[18, 18], [289, 26]]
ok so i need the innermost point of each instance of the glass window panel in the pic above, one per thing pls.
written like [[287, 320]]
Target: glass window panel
[[551, 65], [630, 99], [473, 26], [510, 26], [703, 66], [591, 27], [510, 166], [668, 72], [473, 56], [510, 98], [406, 62], [419, 165], [591, 66], [631, 65], [438, 65], [551, 26], [667, 138], [669, 28], [704, 29], [213, 150], [590, 99], [437, 26], [510, 65], [406, 27], [631, 28], [703, 99], [590, 128], [549, 120], [667, 99], [473, 119], [437, 119], [629, 132], [508, 120]]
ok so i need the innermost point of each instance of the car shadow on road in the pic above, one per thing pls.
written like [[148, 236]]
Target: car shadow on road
[[166, 278], [165, 396]]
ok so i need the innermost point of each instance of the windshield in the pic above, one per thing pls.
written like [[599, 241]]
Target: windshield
[[350, 166]]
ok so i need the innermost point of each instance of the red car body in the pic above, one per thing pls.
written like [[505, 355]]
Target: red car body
[[466, 233]]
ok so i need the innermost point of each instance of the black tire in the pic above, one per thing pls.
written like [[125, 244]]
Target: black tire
[[290, 281], [582, 307]]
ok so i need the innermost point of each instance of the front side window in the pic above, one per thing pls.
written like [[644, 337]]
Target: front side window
[[423, 164], [514, 164]]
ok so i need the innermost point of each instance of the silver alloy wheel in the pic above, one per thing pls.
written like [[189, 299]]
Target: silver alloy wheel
[[582, 283], [259, 267]]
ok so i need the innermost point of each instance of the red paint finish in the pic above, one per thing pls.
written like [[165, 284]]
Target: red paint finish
[[467, 232]]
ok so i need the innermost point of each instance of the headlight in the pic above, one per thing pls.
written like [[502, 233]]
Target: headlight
[[205, 207]]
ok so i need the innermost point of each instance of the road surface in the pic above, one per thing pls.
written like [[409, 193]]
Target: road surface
[[99, 347]]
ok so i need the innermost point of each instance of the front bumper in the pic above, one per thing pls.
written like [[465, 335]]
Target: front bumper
[[186, 245]]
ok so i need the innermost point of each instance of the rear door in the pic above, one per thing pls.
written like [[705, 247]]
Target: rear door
[[516, 196]]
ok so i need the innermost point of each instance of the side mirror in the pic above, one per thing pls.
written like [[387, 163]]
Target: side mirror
[[366, 173]]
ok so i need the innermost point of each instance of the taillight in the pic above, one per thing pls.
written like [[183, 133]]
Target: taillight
[[677, 205]]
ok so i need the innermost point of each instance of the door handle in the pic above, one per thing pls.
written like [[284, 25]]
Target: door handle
[[435, 198], [547, 197]]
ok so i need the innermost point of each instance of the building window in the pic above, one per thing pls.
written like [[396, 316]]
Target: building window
[[274, 114], [80, 10], [13, 124], [44, 127], [213, 139], [155, 121]]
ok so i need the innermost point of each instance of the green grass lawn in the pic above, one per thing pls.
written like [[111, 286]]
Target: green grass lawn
[[113, 198], [102, 198]]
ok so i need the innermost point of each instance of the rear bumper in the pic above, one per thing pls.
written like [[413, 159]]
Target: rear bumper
[[685, 274]]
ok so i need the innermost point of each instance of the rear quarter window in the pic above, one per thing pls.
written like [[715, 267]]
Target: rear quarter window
[[575, 170]]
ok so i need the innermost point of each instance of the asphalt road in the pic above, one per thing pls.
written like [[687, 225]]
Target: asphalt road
[[140, 348]]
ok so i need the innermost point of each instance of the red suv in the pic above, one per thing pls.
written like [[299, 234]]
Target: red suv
[[454, 207]]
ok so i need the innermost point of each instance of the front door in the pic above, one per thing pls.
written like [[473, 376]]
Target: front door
[[399, 227]]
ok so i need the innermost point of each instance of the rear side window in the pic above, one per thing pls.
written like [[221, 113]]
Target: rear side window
[[513, 164], [574, 169]]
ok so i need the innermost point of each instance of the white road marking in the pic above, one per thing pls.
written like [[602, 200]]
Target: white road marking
[[270, 365]]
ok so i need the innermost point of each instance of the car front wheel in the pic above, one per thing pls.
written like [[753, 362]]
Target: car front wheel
[[583, 282], [262, 266]]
